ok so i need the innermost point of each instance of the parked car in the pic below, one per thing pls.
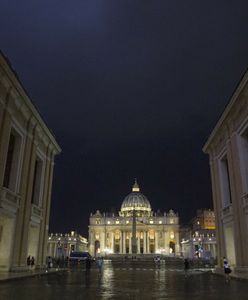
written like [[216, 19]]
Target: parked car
[[78, 256]]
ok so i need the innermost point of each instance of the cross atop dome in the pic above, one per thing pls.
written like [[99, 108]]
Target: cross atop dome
[[135, 186]]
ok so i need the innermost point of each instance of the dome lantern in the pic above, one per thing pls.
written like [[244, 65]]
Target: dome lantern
[[135, 186]]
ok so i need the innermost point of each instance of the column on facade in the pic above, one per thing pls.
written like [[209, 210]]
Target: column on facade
[[144, 242], [238, 181], [165, 243], [216, 184], [177, 250], [91, 242], [113, 241], [55, 249], [121, 242], [148, 242], [46, 203], [156, 241], [124, 242], [138, 244], [214, 250], [130, 243], [102, 241], [23, 217]]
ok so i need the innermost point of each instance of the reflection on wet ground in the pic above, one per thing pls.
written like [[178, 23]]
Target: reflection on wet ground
[[125, 280]]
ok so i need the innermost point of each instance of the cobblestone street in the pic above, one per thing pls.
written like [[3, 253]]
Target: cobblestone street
[[125, 281]]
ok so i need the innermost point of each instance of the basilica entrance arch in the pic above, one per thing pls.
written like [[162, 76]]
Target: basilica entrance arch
[[172, 247], [151, 240], [97, 247], [117, 236]]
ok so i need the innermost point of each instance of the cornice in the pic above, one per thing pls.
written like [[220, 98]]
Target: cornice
[[21, 96], [230, 113]]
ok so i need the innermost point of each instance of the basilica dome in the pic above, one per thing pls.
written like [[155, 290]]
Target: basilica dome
[[135, 201]]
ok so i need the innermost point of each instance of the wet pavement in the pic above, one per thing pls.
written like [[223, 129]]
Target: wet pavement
[[125, 280]]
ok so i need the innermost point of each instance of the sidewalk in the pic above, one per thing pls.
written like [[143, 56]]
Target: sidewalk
[[6, 276], [234, 274]]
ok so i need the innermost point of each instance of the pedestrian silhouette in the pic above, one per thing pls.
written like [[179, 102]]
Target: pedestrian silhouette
[[32, 261], [227, 269], [99, 263], [29, 260]]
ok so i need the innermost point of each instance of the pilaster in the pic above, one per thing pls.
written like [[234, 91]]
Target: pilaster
[[241, 239], [130, 244], [156, 242], [23, 217], [5, 127], [124, 242], [113, 241], [46, 203], [216, 191], [144, 241], [148, 243], [138, 245]]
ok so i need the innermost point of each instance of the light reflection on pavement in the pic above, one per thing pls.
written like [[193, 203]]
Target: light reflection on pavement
[[125, 280]]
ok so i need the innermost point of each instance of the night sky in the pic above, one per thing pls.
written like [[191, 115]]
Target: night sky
[[131, 89]]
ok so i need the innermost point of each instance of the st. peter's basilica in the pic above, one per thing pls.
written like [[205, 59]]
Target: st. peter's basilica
[[135, 230]]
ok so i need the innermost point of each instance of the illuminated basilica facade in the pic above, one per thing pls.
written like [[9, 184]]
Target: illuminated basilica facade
[[135, 230]]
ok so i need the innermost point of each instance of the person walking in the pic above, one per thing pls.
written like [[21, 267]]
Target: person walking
[[227, 269], [99, 263]]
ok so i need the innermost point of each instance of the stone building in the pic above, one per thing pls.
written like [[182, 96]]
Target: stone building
[[135, 230], [27, 151], [199, 238], [227, 147], [61, 245]]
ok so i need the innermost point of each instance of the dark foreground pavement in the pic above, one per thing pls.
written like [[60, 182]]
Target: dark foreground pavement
[[125, 280]]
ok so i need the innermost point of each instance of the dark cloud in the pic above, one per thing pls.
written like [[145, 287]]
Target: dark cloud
[[131, 89]]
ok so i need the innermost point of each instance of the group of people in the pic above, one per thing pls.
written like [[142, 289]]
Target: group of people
[[30, 261]]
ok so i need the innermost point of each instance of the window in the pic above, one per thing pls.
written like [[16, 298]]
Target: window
[[244, 159], [12, 163], [9, 161], [225, 182], [37, 182]]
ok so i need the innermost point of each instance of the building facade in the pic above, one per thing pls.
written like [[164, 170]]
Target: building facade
[[227, 147], [135, 230], [61, 245], [27, 151], [198, 240]]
